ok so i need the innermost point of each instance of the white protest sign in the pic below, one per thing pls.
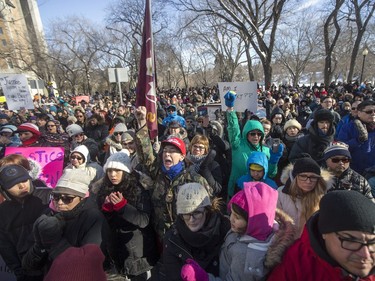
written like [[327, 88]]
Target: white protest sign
[[16, 91], [247, 96]]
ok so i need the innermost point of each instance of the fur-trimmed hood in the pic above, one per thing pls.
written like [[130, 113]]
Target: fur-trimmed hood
[[283, 238], [287, 174]]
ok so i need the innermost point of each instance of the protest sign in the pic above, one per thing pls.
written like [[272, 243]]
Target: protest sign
[[16, 91], [49, 159], [247, 96], [82, 98]]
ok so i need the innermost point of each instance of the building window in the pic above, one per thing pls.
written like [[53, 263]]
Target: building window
[[4, 42]]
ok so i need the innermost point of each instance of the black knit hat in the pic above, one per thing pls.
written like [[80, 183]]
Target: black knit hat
[[305, 165], [323, 115], [345, 210]]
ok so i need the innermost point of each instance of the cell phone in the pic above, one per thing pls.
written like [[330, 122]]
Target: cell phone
[[275, 145]]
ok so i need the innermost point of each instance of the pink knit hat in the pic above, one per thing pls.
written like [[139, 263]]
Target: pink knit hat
[[29, 127], [259, 201]]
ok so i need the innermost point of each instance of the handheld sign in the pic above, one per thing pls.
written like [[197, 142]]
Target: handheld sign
[[247, 96], [16, 91], [49, 159]]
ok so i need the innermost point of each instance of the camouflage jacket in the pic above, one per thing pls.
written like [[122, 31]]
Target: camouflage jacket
[[163, 190]]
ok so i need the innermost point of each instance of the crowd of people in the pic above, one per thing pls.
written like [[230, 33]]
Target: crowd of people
[[285, 196]]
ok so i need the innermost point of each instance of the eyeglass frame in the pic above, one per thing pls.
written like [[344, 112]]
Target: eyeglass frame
[[310, 178], [79, 158], [196, 215], [338, 160], [197, 146], [66, 199], [344, 239]]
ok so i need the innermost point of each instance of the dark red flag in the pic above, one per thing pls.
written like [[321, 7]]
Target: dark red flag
[[146, 91]]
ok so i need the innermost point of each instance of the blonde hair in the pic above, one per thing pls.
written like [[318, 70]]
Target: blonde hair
[[201, 140], [309, 200]]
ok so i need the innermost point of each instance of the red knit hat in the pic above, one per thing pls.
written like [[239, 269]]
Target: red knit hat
[[78, 264], [177, 142], [29, 127]]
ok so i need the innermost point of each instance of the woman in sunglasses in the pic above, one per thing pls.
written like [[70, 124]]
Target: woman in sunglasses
[[79, 158], [198, 233], [305, 184], [73, 221]]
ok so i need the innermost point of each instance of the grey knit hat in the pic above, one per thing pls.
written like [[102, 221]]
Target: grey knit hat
[[120, 161], [73, 182], [190, 197]]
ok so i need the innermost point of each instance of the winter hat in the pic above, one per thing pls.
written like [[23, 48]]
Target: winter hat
[[29, 127], [323, 115], [177, 142], [119, 118], [120, 161], [305, 165], [120, 127], [10, 175], [71, 119], [4, 116], [256, 167], [83, 151], [128, 136], [190, 197], [8, 129], [292, 123], [73, 182], [343, 210], [78, 264], [259, 201], [174, 124], [74, 129], [337, 149]]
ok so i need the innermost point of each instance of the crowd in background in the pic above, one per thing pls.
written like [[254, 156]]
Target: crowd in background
[[209, 189]]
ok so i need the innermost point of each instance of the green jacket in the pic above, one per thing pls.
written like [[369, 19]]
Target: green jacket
[[163, 190], [241, 149]]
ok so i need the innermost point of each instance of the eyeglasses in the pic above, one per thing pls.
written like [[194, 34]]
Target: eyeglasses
[[64, 198], [311, 178], [117, 133], [76, 157], [253, 134], [79, 116], [200, 147], [195, 215], [48, 126], [369, 111], [354, 108], [353, 245], [343, 160], [79, 135], [127, 143]]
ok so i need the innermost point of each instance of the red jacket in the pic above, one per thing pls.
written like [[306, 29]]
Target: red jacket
[[302, 262]]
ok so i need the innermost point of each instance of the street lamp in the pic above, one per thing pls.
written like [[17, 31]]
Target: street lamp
[[364, 54], [169, 78]]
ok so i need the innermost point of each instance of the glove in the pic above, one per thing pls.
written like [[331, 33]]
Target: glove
[[362, 131], [50, 230], [117, 207], [192, 271], [230, 97], [275, 156]]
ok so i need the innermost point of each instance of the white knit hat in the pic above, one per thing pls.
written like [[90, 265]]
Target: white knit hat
[[73, 182], [190, 197], [120, 161], [120, 127], [84, 151], [73, 130], [292, 123]]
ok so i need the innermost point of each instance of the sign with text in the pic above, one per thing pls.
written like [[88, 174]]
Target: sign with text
[[49, 159], [247, 96], [16, 90], [81, 98]]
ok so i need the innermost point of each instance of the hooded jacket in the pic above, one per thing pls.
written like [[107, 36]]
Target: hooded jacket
[[173, 116], [287, 204], [260, 159], [242, 148], [308, 260]]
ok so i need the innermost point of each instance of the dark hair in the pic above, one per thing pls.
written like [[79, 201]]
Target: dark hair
[[239, 211], [365, 103]]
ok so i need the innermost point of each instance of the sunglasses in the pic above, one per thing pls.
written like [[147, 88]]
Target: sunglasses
[[253, 134], [79, 135], [354, 108], [117, 133], [369, 111], [64, 198], [343, 160], [79, 116], [127, 143], [76, 157], [48, 126]]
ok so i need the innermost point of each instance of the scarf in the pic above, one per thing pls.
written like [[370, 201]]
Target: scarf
[[197, 160], [174, 170], [30, 141]]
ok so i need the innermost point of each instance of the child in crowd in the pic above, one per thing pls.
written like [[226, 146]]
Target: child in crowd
[[253, 246], [258, 169]]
